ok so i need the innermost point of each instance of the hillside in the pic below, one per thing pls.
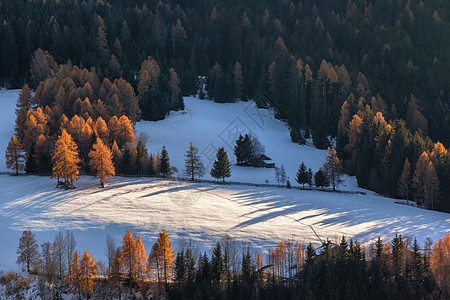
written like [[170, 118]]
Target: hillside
[[211, 125], [199, 211]]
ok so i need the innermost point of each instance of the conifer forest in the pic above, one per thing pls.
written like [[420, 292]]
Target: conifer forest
[[173, 93]]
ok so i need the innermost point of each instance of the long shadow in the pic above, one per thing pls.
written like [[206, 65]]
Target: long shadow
[[343, 210], [265, 217]]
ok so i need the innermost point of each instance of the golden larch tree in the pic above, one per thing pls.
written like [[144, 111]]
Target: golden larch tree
[[440, 262], [63, 122], [35, 125], [88, 271], [117, 154], [65, 159], [75, 127], [15, 156], [425, 181], [85, 139], [141, 257], [333, 167], [101, 162], [134, 257], [300, 256], [126, 132], [354, 136], [259, 261], [114, 130], [102, 129], [165, 254], [430, 187], [75, 272]]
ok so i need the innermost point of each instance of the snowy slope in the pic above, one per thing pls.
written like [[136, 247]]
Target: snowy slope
[[199, 211], [8, 100], [210, 125]]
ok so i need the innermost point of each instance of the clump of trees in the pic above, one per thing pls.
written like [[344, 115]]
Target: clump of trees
[[329, 174], [247, 149], [386, 156], [59, 131], [393, 269]]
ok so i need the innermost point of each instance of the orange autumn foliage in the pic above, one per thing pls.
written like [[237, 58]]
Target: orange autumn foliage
[[101, 162], [440, 261], [134, 256], [65, 159]]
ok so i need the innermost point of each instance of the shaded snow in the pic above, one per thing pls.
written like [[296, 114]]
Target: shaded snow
[[8, 100], [210, 125]]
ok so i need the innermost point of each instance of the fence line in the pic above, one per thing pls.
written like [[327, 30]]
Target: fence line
[[330, 190]]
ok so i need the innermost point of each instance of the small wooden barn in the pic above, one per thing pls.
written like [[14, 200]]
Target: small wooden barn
[[264, 161]]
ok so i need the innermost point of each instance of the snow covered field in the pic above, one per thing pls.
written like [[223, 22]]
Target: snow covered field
[[200, 211]]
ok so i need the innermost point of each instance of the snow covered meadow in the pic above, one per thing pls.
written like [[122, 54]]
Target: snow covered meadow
[[201, 212]]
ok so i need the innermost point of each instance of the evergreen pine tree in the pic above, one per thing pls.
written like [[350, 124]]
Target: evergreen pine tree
[[302, 175], [238, 80], [320, 179], [404, 181], [180, 268], [248, 152], [310, 177], [399, 259], [141, 156], [248, 268], [238, 150], [222, 167], [217, 267], [128, 160], [164, 163]]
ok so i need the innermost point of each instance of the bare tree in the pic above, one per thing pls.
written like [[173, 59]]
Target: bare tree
[[114, 274], [59, 253], [193, 164], [110, 251], [48, 265], [70, 244], [230, 253], [28, 254]]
